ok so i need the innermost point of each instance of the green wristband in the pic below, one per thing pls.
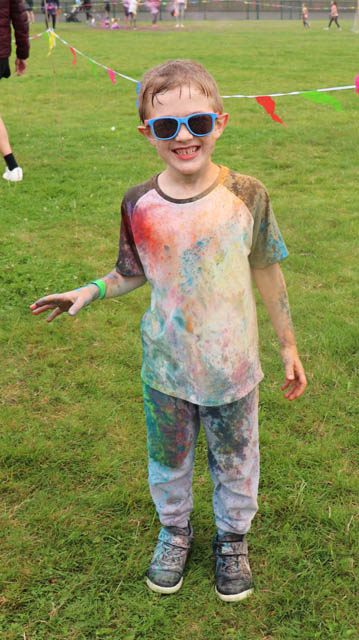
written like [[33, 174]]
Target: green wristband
[[102, 286]]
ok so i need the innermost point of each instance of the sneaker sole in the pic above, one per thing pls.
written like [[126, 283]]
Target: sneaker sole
[[166, 590], [234, 597]]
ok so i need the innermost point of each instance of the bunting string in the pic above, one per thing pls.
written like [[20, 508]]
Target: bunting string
[[266, 101]]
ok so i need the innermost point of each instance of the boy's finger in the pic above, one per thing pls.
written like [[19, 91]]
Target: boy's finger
[[75, 308], [56, 312]]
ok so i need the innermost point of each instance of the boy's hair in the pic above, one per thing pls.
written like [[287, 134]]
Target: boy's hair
[[173, 74]]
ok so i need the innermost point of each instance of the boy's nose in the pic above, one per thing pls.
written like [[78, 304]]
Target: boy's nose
[[184, 133]]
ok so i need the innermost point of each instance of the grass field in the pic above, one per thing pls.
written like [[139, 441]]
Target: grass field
[[77, 523]]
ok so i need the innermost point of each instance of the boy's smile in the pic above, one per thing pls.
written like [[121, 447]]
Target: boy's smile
[[188, 157]]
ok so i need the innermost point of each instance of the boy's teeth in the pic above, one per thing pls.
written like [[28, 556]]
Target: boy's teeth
[[184, 152]]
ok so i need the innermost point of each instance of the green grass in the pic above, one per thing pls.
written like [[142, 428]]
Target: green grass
[[77, 523]]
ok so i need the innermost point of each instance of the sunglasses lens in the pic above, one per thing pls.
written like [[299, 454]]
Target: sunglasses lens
[[165, 128], [201, 125]]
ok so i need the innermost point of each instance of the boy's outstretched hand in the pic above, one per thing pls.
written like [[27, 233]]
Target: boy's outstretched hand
[[70, 302], [295, 380]]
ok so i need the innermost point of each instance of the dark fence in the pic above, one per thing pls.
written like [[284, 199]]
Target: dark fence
[[215, 10]]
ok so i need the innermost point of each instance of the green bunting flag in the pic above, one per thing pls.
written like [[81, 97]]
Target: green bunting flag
[[317, 96], [93, 67]]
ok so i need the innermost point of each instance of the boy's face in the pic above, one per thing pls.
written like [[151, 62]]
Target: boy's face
[[186, 154]]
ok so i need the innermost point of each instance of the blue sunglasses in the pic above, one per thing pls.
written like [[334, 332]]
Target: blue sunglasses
[[198, 124]]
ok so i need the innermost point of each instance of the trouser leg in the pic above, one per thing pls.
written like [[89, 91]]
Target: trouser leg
[[172, 431], [233, 457]]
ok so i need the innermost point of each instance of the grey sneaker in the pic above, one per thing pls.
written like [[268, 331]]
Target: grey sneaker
[[233, 574], [165, 574]]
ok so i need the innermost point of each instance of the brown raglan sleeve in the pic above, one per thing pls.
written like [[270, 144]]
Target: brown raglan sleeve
[[267, 243], [128, 261]]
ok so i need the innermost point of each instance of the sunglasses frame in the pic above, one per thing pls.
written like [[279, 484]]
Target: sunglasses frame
[[180, 121]]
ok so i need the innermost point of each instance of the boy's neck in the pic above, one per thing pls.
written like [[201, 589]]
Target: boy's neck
[[182, 186]]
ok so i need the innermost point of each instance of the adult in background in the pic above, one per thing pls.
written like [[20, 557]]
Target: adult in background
[[126, 12], [334, 15], [30, 10], [12, 12], [87, 8]]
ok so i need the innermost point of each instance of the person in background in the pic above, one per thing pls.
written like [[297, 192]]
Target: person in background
[[181, 5], [132, 11], [154, 7], [12, 12], [305, 15], [86, 7], [334, 15], [126, 11], [30, 11], [50, 8]]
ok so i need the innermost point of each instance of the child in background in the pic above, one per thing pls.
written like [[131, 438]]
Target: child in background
[[50, 8], [132, 8], [334, 15], [200, 234], [154, 7], [305, 16]]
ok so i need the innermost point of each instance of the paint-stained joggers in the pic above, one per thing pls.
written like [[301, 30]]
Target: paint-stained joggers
[[233, 456]]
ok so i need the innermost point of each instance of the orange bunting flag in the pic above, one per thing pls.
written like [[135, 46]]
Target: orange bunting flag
[[74, 55], [112, 75], [268, 105]]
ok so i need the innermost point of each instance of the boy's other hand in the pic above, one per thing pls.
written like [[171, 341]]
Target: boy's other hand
[[70, 302], [295, 380]]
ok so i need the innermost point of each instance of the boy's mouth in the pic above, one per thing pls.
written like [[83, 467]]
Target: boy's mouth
[[186, 152]]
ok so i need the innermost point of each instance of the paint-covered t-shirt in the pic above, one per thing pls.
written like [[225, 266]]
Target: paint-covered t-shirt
[[199, 335]]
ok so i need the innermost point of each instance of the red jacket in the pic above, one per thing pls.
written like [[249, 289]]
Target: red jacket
[[13, 12]]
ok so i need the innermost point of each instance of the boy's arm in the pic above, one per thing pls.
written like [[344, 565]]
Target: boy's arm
[[271, 286], [72, 301]]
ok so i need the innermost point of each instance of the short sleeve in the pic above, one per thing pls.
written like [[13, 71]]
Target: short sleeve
[[267, 243], [128, 261]]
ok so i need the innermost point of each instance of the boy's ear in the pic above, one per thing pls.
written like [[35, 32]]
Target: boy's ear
[[221, 124], [147, 133]]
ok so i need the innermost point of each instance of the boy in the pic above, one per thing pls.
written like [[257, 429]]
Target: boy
[[198, 233]]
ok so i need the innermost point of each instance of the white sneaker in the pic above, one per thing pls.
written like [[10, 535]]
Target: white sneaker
[[13, 176]]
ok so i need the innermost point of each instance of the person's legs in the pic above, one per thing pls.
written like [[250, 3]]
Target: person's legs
[[172, 431], [233, 457], [13, 172], [5, 148], [53, 16], [181, 11]]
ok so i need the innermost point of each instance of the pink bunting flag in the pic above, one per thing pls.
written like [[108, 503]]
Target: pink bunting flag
[[74, 55], [112, 75], [268, 105], [357, 84]]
